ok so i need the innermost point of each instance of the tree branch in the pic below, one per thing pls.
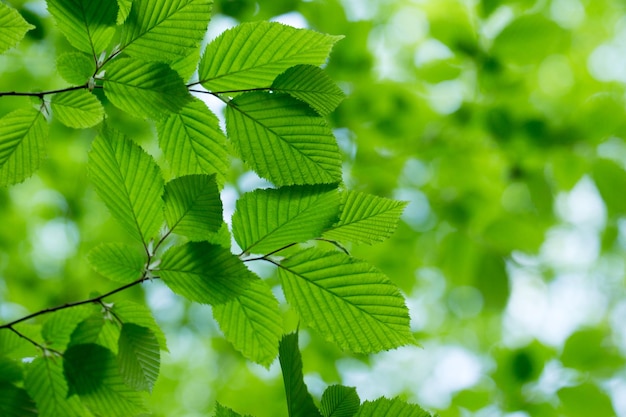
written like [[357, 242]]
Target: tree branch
[[40, 94]]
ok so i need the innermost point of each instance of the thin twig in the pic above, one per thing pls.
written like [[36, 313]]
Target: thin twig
[[40, 94]]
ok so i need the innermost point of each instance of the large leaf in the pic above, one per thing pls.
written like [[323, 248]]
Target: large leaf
[[13, 27], [193, 207], [118, 262], [204, 273], [77, 109], [58, 328], [145, 89], [394, 407], [46, 384], [252, 54], [164, 30], [339, 401], [15, 402], [252, 322], [266, 220], [22, 136], [129, 182], [193, 142], [312, 85], [139, 357], [92, 373], [299, 401], [365, 218], [139, 314], [88, 25], [283, 140], [346, 300]]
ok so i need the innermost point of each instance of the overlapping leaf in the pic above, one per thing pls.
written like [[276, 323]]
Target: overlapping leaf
[[124, 10], [394, 407], [118, 262], [129, 312], [13, 27], [221, 411], [266, 220], [75, 67], [339, 401], [283, 140], [15, 402], [145, 89], [346, 300], [77, 109], [10, 370], [311, 85], [88, 25], [251, 55], [139, 356], [88, 330], [129, 182], [365, 218], [193, 142], [58, 328], [252, 322]]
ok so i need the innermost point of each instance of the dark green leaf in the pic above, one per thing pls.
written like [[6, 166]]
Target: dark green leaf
[[58, 328], [10, 370], [340, 401], [129, 312], [15, 402]]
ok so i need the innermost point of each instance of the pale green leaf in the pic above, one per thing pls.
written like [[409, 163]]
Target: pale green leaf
[[110, 334], [252, 54], [22, 138], [88, 330], [221, 411], [193, 142], [266, 220], [139, 356], [346, 300], [15, 402], [77, 109], [118, 262], [365, 218], [58, 328], [76, 67], [252, 322], [311, 85], [340, 401], [88, 25], [186, 65], [283, 139], [139, 314], [386, 407], [13, 27], [165, 30], [193, 207], [129, 182], [46, 384], [145, 89], [124, 7], [92, 373], [299, 401], [205, 273]]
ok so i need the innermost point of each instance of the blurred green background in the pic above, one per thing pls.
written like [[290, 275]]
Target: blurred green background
[[500, 121]]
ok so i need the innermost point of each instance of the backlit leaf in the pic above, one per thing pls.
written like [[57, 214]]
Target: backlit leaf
[[139, 356], [118, 262], [139, 314], [339, 401], [13, 27], [58, 328], [77, 109], [75, 67], [221, 411], [394, 407], [124, 10], [15, 402]]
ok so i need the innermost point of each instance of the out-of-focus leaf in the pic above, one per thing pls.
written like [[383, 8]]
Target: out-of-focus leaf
[[585, 400], [15, 402], [610, 179]]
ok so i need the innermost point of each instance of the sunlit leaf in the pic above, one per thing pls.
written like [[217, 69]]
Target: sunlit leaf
[[13, 27], [77, 109], [221, 411], [118, 262], [75, 67], [339, 401], [124, 10], [15, 402], [58, 328], [139, 314], [394, 407], [139, 357]]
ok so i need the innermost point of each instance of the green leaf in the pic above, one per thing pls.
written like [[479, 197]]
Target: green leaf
[[46, 384], [88, 330], [59, 327], [205, 273], [145, 89], [266, 220], [312, 85], [129, 312], [193, 142], [193, 207], [585, 400], [22, 136], [118, 262], [164, 30], [252, 322], [15, 402], [92, 373], [13, 27], [299, 401], [124, 7], [10, 370], [129, 182], [252, 54], [610, 178], [88, 25], [339, 401], [75, 67], [395, 407], [346, 300], [77, 109], [139, 357], [365, 218], [283, 139], [10, 342], [221, 411]]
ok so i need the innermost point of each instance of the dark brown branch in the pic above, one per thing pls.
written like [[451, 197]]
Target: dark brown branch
[[40, 94]]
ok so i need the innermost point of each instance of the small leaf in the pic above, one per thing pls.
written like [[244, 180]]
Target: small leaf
[[365, 218], [139, 357], [266, 220], [145, 89], [252, 54], [13, 27], [59, 327], [15, 402], [252, 322], [311, 85], [283, 140], [340, 401], [75, 67], [193, 207], [129, 182], [77, 109], [221, 411], [22, 136], [118, 262], [395, 407], [299, 401], [129, 312], [205, 273]]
